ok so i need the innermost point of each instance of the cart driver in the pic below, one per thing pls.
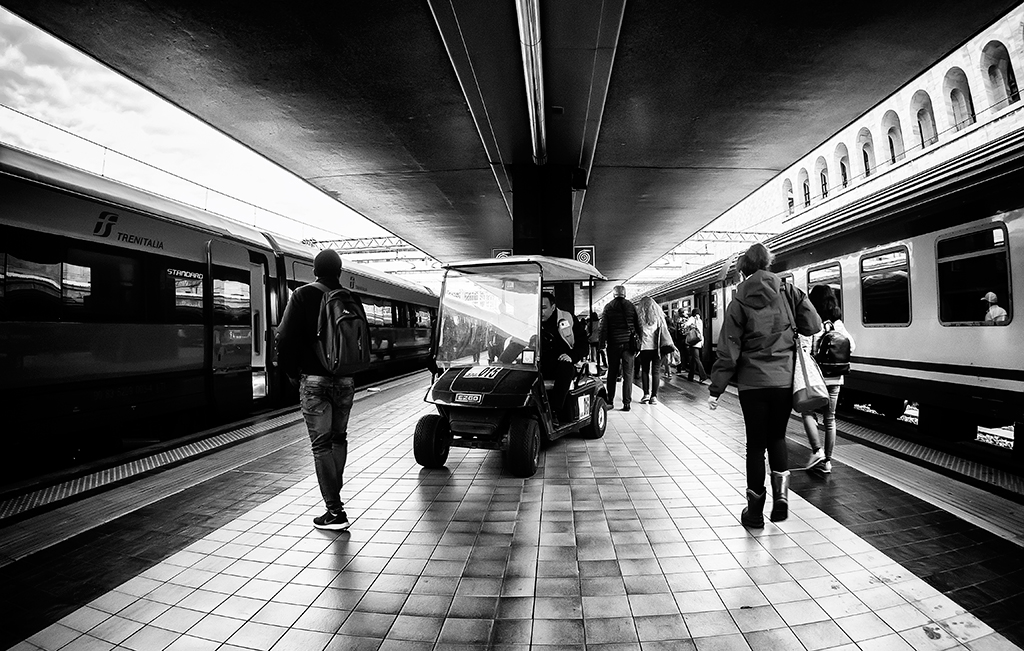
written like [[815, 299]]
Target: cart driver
[[564, 344]]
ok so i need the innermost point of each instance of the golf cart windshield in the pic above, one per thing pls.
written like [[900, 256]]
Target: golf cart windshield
[[490, 319]]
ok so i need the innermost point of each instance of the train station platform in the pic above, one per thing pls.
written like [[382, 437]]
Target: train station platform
[[628, 542]]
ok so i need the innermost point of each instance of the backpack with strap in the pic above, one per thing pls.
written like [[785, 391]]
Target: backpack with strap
[[833, 352], [342, 333]]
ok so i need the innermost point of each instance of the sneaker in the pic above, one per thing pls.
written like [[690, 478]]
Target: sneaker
[[826, 467], [332, 521], [815, 459], [645, 399], [625, 407], [654, 400]]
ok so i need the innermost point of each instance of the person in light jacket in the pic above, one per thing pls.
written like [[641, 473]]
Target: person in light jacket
[[825, 304], [654, 334], [756, 348], [694, 351]]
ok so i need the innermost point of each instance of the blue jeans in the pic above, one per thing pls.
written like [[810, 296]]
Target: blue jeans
[[326, 404]]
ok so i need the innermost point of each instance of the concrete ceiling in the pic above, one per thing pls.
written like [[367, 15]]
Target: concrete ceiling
[[409, 112]]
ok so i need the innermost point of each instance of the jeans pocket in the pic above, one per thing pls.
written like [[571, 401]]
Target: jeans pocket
[[313, 403]]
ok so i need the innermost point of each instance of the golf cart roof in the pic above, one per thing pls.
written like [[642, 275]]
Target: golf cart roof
[[554, 269]]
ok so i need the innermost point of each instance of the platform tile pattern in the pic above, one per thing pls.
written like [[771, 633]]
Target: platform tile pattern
[[629, 542]]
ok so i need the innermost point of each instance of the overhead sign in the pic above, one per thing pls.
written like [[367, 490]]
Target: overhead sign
[[584, 254], [501, 253]]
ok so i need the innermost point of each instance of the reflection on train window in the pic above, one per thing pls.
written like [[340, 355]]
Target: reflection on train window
[[32, 289], [101, 288], [885, 288], [831, 276], [423, 319], [231, 302], [181, 295], [974, 278], [378, 311]]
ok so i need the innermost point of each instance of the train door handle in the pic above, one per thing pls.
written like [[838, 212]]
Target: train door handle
[[257, 332]]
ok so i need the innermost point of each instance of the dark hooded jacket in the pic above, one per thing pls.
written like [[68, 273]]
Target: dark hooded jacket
[[757, 341], [296, 336]]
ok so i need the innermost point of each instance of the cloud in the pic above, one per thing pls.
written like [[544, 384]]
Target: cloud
[[59, 85]]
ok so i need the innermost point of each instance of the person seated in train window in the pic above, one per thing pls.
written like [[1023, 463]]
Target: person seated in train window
[[563, 345], [995, 314]]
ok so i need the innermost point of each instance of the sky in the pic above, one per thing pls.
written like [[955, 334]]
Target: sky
[[49, 80]]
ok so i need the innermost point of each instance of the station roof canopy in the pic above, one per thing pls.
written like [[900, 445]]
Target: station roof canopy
[[411, 112]]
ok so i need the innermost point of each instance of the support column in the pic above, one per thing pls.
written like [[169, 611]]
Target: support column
[[542, 217]]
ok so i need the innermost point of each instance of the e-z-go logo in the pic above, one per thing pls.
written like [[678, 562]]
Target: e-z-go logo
[[105, 224]]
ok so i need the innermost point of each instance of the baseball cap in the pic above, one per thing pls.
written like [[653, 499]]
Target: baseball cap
[[990, 297]]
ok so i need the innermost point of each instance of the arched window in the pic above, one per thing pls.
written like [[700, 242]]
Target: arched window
[[921, 108], [842, 163], [787, 193], [867, 151], [894, 135], [1000, 82], [961, 105], [805, 186], [821, 174]]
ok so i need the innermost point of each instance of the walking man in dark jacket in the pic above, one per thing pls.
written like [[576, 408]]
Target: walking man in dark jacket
[[619, 321], [326, 400]]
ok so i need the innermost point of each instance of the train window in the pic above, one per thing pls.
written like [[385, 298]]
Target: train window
[[831, 276], [181, 295], [974, 278], [231, 297], [378, 311], [102, 288], [423, 319], [885, 288], [32, 287]]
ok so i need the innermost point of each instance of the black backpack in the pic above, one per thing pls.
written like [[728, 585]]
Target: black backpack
[[342, 333], [833, 352]]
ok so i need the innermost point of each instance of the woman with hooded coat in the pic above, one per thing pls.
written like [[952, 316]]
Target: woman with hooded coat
[[756, 347]]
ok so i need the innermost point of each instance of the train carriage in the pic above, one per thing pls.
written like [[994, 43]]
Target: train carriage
[[127, 316], [913, 267]]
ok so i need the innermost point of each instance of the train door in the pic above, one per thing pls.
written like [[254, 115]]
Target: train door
[[230, 332], [260, 324]]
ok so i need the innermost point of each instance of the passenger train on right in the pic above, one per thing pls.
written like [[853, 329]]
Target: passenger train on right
[[915, 268]]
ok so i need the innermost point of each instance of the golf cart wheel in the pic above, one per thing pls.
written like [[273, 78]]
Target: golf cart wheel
[[432, 440], [598, 419], [523, 454]]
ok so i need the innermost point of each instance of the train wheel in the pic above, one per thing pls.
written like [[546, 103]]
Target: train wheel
[[432, 441], [523, 454], [891, 408], [598, 420]]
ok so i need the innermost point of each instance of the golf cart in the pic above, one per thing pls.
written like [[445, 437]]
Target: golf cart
[[489, 390]]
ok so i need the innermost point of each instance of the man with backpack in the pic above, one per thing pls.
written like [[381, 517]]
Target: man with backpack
[[322, 340]]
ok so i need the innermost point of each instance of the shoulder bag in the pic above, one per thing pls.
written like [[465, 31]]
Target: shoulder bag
[[809, 389]]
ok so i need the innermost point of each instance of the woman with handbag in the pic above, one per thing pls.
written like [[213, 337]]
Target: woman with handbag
[[824, 301], [654, 338], [694, 334], [756, 347]]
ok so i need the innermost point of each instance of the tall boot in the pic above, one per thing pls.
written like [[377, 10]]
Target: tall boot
[[753, 515], [780, 496]]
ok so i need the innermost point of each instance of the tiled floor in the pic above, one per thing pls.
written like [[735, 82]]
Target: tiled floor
[[628, 542]]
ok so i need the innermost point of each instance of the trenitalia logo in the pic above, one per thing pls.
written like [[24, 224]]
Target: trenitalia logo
[[105, 224]]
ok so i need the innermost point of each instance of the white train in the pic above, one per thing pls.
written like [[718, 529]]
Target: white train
[[913, 268]]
